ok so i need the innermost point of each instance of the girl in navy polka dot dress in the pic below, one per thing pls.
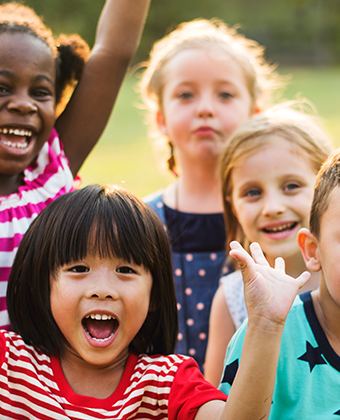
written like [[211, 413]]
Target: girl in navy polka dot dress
[[268, 173], [202, 81]]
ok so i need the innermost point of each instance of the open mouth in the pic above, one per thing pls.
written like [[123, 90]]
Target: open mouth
[[15, 137], [100, 327], [282, 228]]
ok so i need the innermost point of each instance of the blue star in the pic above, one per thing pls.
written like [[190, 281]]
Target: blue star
[[313, 356], [230, 372]]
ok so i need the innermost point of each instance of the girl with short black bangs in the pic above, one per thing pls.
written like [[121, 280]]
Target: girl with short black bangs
[[92, 303]]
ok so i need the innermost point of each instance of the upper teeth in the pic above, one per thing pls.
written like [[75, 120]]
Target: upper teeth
[[280, 228], [16, 131], [99, 317]]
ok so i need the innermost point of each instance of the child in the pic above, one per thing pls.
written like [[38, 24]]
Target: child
[[308, 371], [37, 75], [268, 173], [202, 81], [92, 303]]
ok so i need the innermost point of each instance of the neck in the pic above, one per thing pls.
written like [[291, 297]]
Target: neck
[[10, 184], [328, 314], [194, 196], [81, 376]]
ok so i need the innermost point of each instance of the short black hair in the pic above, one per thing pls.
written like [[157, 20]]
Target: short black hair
[[105, 221]]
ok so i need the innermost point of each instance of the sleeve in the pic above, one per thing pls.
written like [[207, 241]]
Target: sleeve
[[189, 391], [232, 359], [2, 348]]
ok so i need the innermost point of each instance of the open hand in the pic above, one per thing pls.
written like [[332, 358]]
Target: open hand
[[269, 292]]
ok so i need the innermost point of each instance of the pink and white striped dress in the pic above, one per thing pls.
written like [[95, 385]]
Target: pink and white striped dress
[[49, 177]]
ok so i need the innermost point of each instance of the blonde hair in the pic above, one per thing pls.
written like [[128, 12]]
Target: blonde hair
[[261, 78], [289, 121]]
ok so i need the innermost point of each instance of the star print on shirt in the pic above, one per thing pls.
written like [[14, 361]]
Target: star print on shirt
[[313, 356], [230, 372], [337, 413]]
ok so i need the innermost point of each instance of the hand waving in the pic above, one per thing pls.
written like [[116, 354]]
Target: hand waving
[[269, 292]]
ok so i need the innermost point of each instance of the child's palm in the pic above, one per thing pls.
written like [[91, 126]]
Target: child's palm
[[269, 292]]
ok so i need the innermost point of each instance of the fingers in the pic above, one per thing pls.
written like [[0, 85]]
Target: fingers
[[280, 264], [303, 278], [257, 254]]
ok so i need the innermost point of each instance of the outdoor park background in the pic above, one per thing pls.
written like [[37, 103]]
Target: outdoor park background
[[301, 36]]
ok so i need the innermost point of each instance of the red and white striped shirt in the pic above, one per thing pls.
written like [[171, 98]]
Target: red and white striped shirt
[[32, 386], [48, 178]]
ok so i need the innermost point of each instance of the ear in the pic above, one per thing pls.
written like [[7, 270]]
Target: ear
[[161, 122], [255, 110], [309, 247]]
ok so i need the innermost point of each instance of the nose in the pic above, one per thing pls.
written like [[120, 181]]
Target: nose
[[103, 287], [205, 106], [272, 204], [22, 104]]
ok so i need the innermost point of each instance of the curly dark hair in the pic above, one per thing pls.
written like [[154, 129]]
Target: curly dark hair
[[70, 51]]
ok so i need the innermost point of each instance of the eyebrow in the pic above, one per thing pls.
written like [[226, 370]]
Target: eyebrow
[[8, 73]]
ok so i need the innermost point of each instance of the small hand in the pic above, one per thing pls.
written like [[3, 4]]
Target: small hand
[[269, 292]]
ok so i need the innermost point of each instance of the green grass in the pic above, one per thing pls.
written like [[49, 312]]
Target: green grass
[[125, 156]]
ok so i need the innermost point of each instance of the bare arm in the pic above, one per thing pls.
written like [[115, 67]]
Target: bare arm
[[85, 117], [269, 294], [221, 329]]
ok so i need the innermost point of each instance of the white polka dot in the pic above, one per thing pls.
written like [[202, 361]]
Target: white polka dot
[[180, 336], [189, 257], [213, 256], [179, 306], [200, 306], [202, 336], [178, 272], [225, 270], [192, 352], [201, 272], [159, 204], [190, 322], [188, 291]]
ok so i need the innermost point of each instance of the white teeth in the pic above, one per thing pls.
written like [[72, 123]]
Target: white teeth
[[16, 132], [280, 228], [99, 317], [15, 145]]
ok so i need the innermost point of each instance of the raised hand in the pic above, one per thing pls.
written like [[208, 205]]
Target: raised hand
[[269, 292]]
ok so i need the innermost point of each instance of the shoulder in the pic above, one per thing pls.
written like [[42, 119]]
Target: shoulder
[[154, 198]]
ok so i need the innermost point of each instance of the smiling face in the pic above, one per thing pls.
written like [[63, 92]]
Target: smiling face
[[99, 304], [271, 196], [27, 100], [205, 98]]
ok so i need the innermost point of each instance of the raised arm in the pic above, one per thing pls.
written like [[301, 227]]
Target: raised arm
[[269, 294], [221, 329], [85, 117]]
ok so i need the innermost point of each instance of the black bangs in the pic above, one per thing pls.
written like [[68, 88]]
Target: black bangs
[[102, 222]]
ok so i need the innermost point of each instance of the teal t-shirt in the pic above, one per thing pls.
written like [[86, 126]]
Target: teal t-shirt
[[308, 375]]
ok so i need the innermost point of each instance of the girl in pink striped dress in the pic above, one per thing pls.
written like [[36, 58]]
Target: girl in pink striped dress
[[44, 137]]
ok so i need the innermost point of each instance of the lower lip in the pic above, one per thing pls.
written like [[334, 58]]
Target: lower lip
[[100, 344], [17, 151], [205, 132], [278, 236]]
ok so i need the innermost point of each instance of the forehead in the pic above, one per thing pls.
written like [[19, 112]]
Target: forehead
[[276, 157], [330, 218], [199, 63], [25, 52]]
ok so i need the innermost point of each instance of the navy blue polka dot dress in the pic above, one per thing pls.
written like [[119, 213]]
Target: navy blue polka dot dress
[[198, 257]]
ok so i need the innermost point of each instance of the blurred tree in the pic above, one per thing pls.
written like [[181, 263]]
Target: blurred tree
[[294, 31]]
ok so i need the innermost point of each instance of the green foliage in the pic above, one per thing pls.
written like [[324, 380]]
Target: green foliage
[[294, 31]]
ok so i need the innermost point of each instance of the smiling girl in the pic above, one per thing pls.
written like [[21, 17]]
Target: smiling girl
[[268, 174], [45, 136]]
